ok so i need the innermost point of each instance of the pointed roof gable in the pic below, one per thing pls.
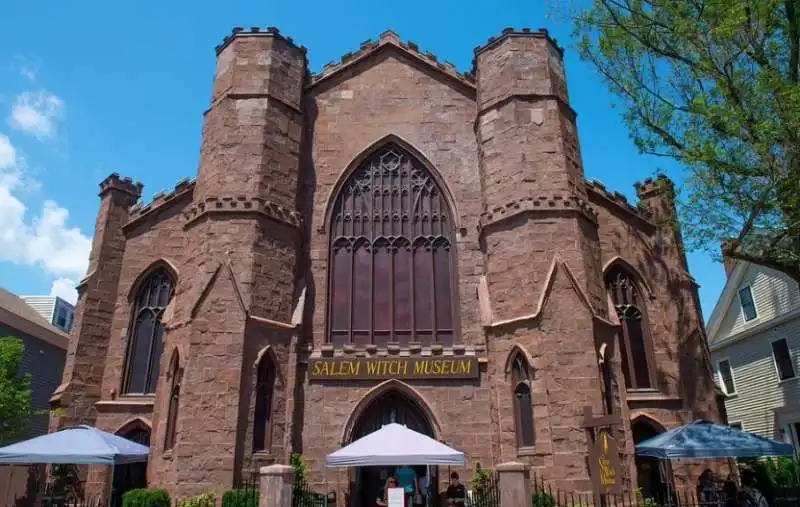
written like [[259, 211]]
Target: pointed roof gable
[[390, 41], [725, 300]]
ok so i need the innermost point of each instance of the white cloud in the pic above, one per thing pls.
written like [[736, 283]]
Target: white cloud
[[44, 240], [65, 289], [37, 113]]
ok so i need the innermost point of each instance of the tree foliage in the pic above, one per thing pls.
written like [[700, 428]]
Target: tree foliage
[[713, 84], [15, 392]]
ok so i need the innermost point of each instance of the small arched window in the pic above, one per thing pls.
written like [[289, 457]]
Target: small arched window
[[391, 261], [634, 343], [175, 373], [523, 401], [262, 415], [146, 341]]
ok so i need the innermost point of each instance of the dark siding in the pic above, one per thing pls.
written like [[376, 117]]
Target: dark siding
[[45, 363]]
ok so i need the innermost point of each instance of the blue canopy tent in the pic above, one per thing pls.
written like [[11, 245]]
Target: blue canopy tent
[[707, 440], [81, 445]]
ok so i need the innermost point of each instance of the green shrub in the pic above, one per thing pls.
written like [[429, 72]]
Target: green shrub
[[201, 500], [240, 498], [483, 488], [542, 499], [146, 498]]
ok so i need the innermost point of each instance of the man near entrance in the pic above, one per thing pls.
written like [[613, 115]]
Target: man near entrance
[[456, 494], [407, 479]]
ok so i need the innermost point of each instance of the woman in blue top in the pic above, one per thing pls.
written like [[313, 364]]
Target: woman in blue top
[[407, 479]]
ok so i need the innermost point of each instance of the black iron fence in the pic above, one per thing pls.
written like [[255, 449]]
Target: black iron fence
[[485, 490], [304, 496], [546, 496]]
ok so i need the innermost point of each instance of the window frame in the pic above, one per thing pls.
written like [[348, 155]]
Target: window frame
[[521, 374], [749, 289], [446, 210], [722, 379], [624, 334], [173, 404], [141, 281], [268, 362], [775, 359]]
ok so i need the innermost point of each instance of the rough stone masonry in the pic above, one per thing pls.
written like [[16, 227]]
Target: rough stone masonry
[[388, 207]]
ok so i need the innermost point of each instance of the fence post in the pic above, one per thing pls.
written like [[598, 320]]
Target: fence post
[[276, 486], [514, 482]]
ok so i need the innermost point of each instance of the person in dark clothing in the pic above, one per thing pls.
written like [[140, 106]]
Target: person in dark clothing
[[456, 494]]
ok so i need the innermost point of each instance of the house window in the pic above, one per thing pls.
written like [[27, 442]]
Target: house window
[[146, 341], [523, 402], [736, 425], [174, 398], [748, 305], [634, 343], [783, 359], [391, 261], [262, 415], [61, 318], [726, 377]]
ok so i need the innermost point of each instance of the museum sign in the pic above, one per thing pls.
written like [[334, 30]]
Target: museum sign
[[382, 368]]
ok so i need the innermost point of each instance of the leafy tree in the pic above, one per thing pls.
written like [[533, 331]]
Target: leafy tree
[[15, 392], [712, 84]]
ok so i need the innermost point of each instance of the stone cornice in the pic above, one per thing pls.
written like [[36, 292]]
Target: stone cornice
[[244, 205], [541, 203]]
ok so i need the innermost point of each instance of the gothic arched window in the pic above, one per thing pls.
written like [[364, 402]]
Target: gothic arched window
[[262, 415], [146, 342], [391, 271], [523, 401], [175, 373], [627, 299]]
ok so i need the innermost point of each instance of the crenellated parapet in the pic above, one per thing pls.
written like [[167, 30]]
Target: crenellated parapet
[[541, 203], [523, 32], [161, 200], [244, 204], [390, 38], [256, 31], [125, 185]]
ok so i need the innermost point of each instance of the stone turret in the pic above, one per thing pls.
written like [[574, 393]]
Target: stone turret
[[657, 201], [530, 164], [541, 243], [97, 293], [243, 238]]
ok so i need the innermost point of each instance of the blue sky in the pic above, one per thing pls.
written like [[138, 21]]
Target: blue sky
[[90, 87]]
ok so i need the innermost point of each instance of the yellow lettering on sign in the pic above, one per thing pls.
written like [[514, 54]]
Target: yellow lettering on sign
[[392, 368]]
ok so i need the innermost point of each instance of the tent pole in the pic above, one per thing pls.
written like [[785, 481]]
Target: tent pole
[[111, 487]]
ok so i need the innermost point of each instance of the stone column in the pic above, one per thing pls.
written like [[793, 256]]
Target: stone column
[[514, 482], [276, 486]]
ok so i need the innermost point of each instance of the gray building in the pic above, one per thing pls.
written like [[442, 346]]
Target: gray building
[[55, 310], [45, 352]]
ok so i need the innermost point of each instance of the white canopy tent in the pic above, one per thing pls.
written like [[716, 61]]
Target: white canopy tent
[[395, 444]]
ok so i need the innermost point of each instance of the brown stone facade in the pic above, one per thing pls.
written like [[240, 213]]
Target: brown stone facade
[[247, 247]]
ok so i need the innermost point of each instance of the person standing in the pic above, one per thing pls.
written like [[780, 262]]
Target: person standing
[[407, 479], [456, 494]]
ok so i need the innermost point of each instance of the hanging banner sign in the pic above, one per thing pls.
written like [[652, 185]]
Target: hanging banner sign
[[368, 368], [604, 464]]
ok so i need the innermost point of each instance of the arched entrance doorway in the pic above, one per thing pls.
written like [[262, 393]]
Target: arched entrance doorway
[[390, 407], [652, 474], [133, 475]]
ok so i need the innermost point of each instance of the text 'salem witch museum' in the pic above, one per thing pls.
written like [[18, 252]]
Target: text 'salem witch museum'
[[388, 240]]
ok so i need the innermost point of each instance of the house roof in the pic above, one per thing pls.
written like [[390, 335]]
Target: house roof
[[725, 299], [16, 313]]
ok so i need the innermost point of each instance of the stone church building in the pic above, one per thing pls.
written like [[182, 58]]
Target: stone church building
[[387, 240]]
